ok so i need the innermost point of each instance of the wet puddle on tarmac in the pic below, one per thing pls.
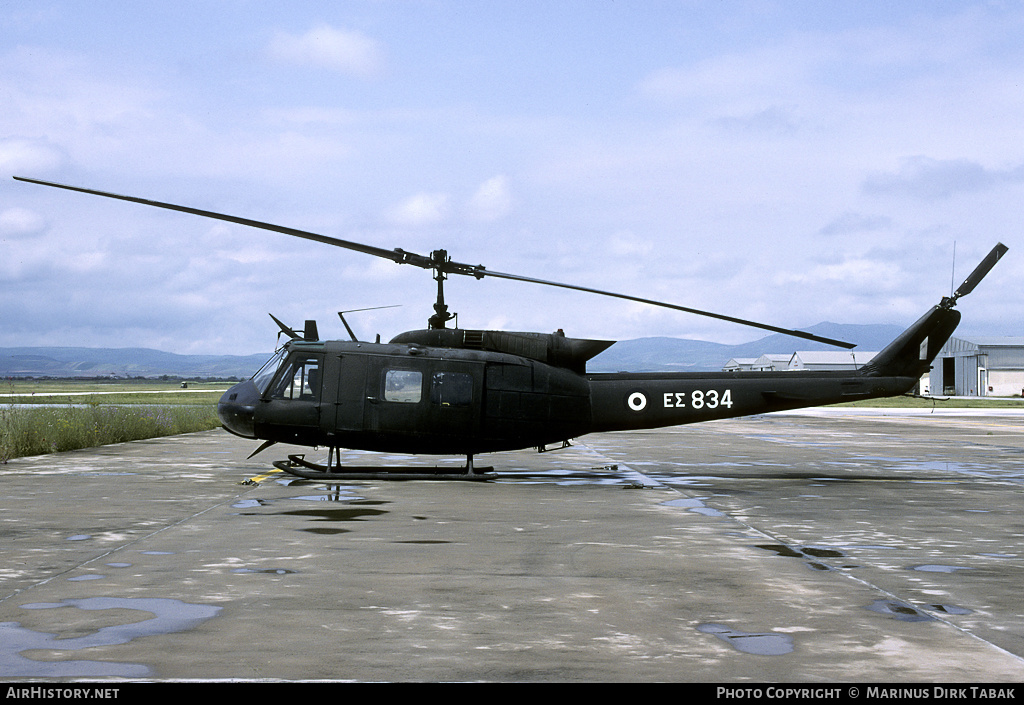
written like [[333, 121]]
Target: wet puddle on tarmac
[[790, 552], [694, 505], [351, 508], [606, 475], [249, 504], [809, 553], [899, 610], [1010, 471], [933, 568], [169, 616], [906, 613], [950, 609], [757, 643], [330, 493], [267, 571]]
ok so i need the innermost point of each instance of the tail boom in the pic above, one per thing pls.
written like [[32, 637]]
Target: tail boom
[[623, 401]]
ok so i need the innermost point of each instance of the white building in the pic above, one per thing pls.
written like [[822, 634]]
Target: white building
[[770, 362], [740, 364], [829, 360]]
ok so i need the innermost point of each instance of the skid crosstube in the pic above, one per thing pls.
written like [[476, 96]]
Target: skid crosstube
[[300, 467]]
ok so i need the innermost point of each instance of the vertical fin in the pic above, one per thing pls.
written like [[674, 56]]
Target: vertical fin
[[912, 352]]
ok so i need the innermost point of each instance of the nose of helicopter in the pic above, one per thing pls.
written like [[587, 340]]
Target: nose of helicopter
[[237, 407]]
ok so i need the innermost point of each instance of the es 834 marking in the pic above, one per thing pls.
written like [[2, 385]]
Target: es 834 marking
[[698, 399]]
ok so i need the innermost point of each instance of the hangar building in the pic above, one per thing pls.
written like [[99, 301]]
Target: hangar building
[[829, 360], [769, 362], [800, 361], [740, 364], [982, 366]]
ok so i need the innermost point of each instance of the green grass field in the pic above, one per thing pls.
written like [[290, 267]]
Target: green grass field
[[956, 403], [39, 417], [114, 392]]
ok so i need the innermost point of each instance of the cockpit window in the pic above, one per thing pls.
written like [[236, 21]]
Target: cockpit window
[[266, 373], [300, 379]]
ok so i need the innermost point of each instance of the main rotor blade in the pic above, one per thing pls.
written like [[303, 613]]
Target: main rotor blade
[[627, 297], [438, 260], [399, 256], [981, 270]]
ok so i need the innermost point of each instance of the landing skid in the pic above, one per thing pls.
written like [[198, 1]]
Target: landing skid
[[300, 467]]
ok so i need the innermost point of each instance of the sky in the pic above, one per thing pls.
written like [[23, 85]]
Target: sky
[[785, 161]]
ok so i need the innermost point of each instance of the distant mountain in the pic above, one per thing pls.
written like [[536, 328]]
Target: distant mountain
[[681, 355], [661, 355], [122, 362], [640, 355]]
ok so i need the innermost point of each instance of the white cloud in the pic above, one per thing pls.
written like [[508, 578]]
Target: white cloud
[[492, 201], [18, 156], [854, 273], [341, 50], [627, 244], [421, 209], [851, 222], [927, 178], [739, 81], [18, 222]]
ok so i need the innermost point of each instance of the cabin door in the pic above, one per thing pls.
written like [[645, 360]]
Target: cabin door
[[350, 404]]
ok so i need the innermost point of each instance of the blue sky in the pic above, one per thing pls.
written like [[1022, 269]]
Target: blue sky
[[788, 162]]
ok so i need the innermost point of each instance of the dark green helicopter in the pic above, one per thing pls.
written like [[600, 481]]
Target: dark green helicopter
[[452, 391]]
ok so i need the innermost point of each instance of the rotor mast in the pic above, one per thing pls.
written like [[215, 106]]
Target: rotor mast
[[439, 258]]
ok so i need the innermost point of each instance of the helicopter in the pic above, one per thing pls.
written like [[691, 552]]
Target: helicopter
[[465, 392]]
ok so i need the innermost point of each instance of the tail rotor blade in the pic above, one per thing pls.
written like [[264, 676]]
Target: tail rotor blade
[[980, 271]]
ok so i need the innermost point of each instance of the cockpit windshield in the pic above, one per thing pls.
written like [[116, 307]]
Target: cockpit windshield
[[300, 379], [266, 373]]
